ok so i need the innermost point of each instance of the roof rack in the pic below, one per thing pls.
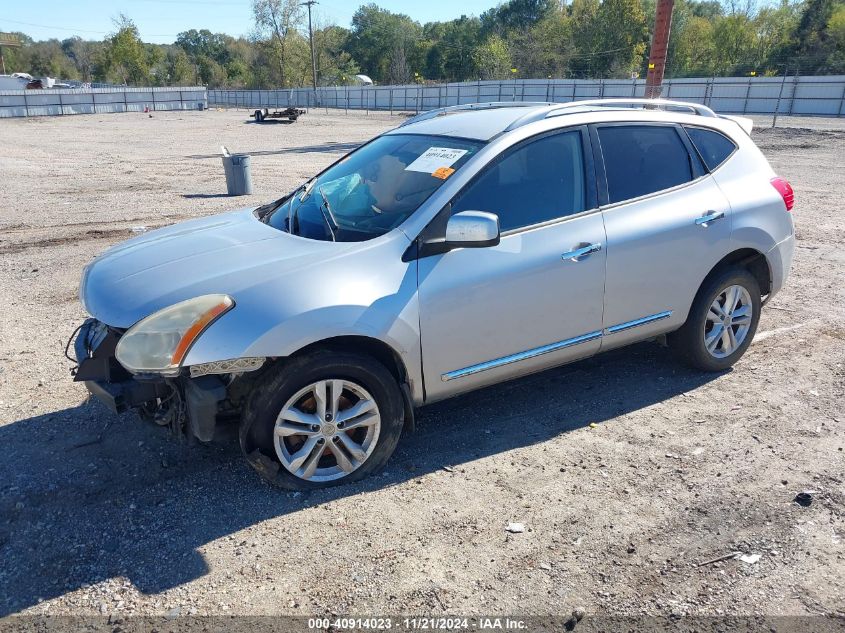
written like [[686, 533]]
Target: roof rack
[[573, 107], [544, 109], [430, 114], [646, 104]]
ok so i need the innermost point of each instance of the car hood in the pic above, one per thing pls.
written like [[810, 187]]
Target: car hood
[[227, 253]]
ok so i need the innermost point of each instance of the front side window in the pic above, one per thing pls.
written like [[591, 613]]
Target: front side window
[[643, 159], [713, 147], [539, 181], [371, 191]]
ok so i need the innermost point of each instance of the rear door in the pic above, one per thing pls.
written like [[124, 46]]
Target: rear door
[[667, 225]]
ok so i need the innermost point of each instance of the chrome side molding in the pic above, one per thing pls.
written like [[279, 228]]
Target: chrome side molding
[[552, 347], [515, 358], [613, 329]]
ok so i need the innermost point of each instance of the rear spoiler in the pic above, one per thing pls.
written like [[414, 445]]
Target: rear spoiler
[[744, 122]]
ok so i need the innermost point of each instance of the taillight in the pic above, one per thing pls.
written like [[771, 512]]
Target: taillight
[[785, 190]]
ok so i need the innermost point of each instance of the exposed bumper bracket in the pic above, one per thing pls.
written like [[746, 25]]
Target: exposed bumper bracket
[[120, 396], [202, 396]]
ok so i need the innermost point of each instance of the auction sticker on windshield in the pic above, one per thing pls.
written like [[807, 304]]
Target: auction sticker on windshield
[[434, 158], [443, 172]]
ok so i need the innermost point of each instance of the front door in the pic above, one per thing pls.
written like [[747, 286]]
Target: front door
[[535, 299]]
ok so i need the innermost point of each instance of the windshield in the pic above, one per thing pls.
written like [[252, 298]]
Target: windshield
[[372, 190]]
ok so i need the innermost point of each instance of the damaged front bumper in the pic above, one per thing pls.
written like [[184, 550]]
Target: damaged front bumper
[[104, 377], [192, 403]]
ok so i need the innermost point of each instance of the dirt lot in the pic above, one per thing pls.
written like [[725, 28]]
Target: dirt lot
[[103, 515]]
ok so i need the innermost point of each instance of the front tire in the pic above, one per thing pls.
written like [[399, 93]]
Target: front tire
[[722, 321], [322, 419]]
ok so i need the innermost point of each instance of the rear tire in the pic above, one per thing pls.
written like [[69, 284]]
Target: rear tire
[[322, 419], [259, 116], [721, 323]]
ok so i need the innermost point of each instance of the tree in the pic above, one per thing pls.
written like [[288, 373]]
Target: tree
[[836, 27], [398, 70], [379, 39], [82, 54], [492, 58], [335, 66], [49, 59], [279, 18], [460, 37], [692, 51], [707, 9], [541, 38], [611, 37], [813, 43], [124, 55], [180, 69], [155, 59], [545, 49], [733, 43], [516, 14], [836, 33], [586, 35], [204, 43], [773, 27]]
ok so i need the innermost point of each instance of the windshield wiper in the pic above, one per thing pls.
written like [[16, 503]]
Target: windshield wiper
[[306, 190], [328, 216]]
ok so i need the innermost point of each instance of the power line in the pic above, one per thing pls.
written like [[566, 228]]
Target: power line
[[215, 3], [46, 26], [73, 30]]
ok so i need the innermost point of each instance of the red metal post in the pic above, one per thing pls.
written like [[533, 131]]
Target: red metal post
[[659, 48]]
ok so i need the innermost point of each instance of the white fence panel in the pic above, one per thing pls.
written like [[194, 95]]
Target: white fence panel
[[52, 102], [749, 95]]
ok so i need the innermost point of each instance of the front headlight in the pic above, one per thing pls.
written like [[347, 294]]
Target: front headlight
[[159, 343], [83, 283]]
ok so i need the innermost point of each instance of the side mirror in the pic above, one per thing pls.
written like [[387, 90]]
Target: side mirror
[[472, 229]]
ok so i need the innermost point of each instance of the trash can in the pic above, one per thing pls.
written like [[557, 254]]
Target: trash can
[[238, 176]]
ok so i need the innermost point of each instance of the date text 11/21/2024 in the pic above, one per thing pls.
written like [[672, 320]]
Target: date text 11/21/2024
[[419, 623]]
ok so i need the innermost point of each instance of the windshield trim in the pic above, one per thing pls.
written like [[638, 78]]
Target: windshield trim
[[452, 137]]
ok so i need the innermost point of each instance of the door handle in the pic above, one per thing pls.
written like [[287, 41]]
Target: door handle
[[710, 216], [576, 254]]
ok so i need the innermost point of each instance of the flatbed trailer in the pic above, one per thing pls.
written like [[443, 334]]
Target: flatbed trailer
[[291, 114]]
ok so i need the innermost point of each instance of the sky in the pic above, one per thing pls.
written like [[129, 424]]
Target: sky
[[159, 21]]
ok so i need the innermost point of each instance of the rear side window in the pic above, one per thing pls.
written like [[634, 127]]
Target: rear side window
[[540, 181], [713, 147], [643, 159]]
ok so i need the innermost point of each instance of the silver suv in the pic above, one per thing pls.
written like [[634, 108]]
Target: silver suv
[[468, 246]]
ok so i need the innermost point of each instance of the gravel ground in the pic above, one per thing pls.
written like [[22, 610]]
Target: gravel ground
[[106, 515]]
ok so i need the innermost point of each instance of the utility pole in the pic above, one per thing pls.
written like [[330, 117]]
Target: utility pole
[[659, 48], [309, 4]]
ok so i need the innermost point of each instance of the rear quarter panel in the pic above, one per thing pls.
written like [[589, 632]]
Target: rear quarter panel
[[759, 217]]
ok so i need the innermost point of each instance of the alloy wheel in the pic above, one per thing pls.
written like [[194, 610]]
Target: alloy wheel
[[728, 321], [327, 430]]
